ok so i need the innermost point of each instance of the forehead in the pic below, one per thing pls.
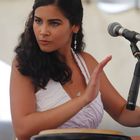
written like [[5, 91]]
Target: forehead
[[49, 11]]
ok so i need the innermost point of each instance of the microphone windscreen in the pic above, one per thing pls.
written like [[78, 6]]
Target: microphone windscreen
[[112, 28]]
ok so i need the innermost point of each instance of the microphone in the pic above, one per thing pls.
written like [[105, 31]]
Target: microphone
[[115, 29], [134, 88]]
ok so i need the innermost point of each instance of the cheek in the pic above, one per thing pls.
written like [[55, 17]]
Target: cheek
[[62, 35], [35, 30]]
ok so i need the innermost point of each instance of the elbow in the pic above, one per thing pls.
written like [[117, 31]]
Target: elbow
[[128, 123], [126, 119], [24, 132], [21, 133]]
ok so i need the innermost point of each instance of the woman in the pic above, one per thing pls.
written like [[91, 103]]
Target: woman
[[54, 83]]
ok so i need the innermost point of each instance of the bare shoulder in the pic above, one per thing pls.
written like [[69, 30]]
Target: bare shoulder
[[15, 71], [14, 62], [17, 78], [90, 61]]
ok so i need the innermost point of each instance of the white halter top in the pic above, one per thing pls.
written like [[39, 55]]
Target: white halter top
[[54, 95]]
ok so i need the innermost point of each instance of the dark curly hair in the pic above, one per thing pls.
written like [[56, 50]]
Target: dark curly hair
[[41, 66]]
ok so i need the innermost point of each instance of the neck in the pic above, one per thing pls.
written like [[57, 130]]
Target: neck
[[67, 55]]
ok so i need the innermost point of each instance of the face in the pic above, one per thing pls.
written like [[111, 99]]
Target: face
[[52, 29]]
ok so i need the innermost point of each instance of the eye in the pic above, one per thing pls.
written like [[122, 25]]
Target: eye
[[54, 23], [38, 21]]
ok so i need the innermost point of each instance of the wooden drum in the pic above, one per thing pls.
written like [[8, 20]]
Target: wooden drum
[[80, 134]]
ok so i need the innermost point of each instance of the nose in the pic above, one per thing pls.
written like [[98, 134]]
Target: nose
[[44, 30]]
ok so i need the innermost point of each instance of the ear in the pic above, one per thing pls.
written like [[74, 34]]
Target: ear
[[75, 28]]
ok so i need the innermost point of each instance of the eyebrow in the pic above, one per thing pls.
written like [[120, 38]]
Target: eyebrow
[[53, 19], [37, 17]]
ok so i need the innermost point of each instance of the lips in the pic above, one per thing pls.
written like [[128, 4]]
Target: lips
[[44, 42]]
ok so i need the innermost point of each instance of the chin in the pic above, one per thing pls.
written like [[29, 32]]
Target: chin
[[47, 50]]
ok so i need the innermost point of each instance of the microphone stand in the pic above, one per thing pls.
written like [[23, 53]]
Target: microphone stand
[[134, 88]]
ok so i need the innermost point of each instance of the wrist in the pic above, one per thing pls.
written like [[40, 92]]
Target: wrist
[[85, 100]]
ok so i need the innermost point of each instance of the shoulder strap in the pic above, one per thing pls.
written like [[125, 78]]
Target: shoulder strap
[[82, 65]]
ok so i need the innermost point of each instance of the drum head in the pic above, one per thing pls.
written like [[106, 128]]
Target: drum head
[[80, 134]]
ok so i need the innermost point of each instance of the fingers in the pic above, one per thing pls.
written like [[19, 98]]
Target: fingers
[[100, 67], [104, 62]]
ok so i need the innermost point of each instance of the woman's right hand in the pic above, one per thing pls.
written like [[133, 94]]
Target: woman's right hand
[[93, 86]]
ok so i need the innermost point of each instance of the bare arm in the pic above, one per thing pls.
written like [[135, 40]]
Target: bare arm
[[116, 106], [113, 102]]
